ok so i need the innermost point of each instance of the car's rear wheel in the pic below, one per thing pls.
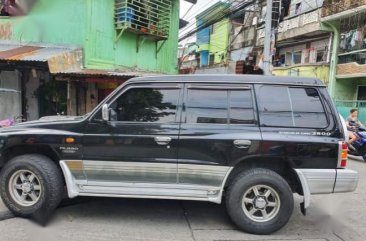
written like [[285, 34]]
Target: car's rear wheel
[[31, 183], [259, 201]]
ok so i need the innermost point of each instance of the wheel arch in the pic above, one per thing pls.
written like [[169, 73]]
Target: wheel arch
[[19, 150], [278, 165]]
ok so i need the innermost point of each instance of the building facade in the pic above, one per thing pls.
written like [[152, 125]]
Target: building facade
[[302, 46], [212, 40], [227, 39], [83, 49], [347, 21]]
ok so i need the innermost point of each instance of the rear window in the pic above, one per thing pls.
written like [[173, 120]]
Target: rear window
[[291, 107]]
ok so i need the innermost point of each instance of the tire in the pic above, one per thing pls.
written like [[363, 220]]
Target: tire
[[31, 184], [249, 213]]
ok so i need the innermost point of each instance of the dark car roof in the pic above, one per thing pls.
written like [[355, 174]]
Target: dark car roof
[[231, 79]]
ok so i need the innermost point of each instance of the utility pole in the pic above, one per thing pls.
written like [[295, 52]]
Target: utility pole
[[267, 57]]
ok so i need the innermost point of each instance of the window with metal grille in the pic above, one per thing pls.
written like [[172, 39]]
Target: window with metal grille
[[144, 17]]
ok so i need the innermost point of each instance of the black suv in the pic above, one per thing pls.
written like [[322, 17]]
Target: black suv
[[251, 140]]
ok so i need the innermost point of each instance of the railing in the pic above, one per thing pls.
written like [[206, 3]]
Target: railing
[[145, 17], [331, 7], [352, 63], [344, 107], [286, 29], [359, 57]]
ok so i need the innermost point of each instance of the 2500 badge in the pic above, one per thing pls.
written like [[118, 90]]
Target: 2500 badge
[[69, 149]]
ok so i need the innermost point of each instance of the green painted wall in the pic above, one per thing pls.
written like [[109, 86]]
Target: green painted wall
[[345, 97], [219, 40], [57, 22], [346, 89], [313, 71], [90, 24]]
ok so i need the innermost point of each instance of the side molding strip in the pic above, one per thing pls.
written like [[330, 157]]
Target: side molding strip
[[78, 185]]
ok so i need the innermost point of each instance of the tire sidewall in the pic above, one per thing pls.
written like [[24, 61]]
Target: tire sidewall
[[5, 194], [235, 210]]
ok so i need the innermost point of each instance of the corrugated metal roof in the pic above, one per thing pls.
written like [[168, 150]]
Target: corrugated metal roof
[[114, 73], [58, 58], [63, 61], [30, 53], [5, 47]]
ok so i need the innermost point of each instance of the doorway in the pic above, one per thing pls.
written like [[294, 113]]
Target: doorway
[[361, 93]]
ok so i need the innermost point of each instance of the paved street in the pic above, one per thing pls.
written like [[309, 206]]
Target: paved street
[[330, 217]]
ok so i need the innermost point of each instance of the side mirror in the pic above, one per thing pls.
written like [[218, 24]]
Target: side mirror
[[105, 112]]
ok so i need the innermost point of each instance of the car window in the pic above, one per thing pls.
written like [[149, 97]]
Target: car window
[[146, 105], [219, 106], [308, 111], [291, 107], [241, 107], [207, 106]]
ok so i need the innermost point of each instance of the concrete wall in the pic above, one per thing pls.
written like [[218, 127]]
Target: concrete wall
[[31, 87], [240, 54], [10, 94], [346, 89], [228, 69], [300, 25], [314, 71]]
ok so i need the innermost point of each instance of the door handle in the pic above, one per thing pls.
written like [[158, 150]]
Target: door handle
[[162, 140], [242, 143]]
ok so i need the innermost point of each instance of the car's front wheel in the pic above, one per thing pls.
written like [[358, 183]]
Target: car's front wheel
[[31, 183], [259, 201]]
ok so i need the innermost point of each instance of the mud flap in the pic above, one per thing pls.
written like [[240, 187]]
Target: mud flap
[[302, 208]]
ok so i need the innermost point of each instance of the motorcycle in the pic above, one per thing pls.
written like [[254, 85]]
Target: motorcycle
[[358, 147]]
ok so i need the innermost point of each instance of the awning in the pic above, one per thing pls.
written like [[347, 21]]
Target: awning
[[65, 62], [98, 72], [98, 76], [58, 58]]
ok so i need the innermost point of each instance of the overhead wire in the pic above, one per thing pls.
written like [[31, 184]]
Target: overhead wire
[[217, 19], [198, 12], [191, 27], [189, 9]]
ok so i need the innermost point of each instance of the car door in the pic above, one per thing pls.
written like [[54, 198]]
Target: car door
[[140, 142], [299, 128], [219, 128]]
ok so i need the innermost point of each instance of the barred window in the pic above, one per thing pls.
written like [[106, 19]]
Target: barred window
[[144, 17]]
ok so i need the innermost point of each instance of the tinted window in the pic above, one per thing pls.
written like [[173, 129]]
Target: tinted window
[[275, 107], [207, 106], [291, 107], [146, 105], [212, 106], [307, 108], [241, 107]]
